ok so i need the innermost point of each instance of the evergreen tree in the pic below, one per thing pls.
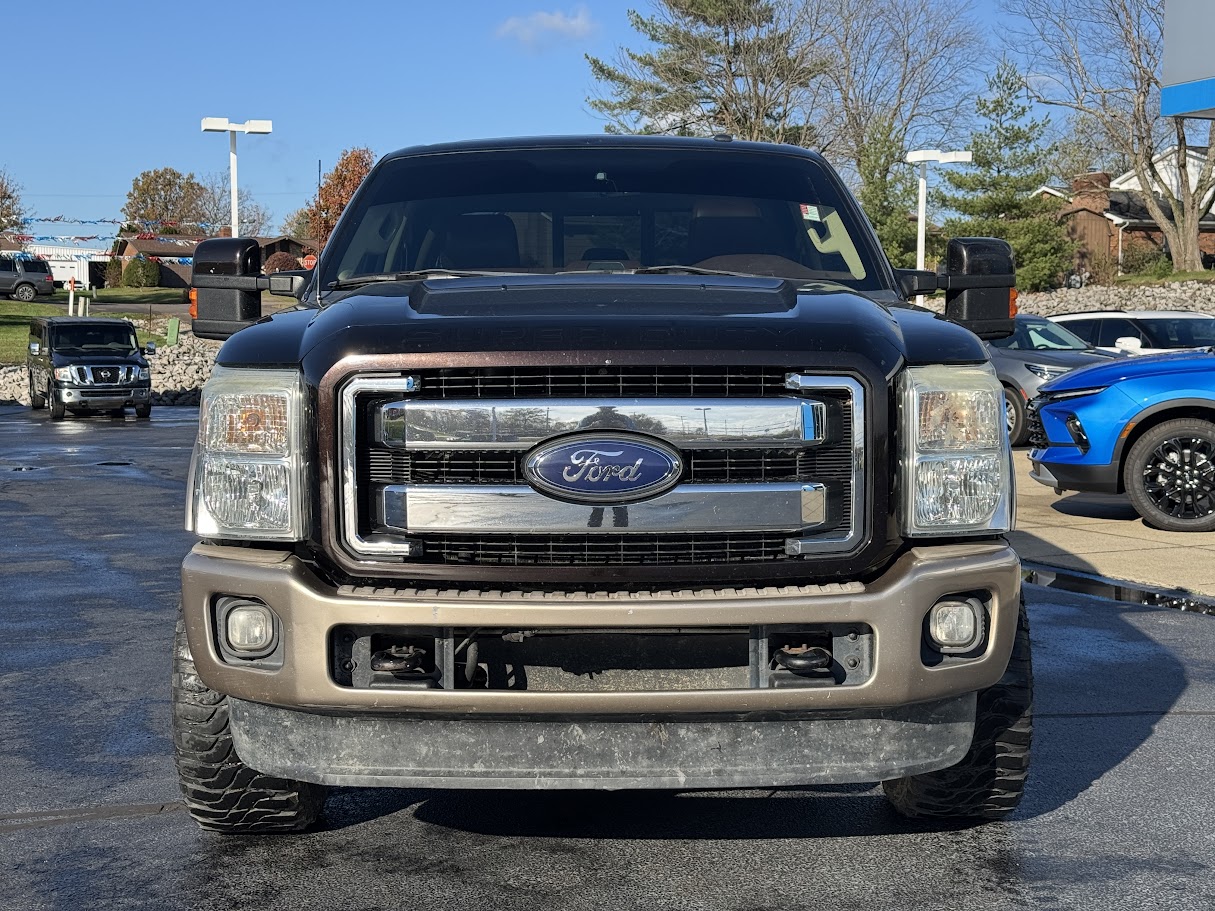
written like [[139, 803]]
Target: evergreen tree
[[887, 195], [745, 67], [994, 196]]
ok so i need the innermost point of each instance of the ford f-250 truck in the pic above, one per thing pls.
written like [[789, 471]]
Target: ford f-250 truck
[[601, 463]]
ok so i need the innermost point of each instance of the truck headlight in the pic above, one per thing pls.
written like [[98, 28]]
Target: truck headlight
[[956, 463], [248, 475], [144, 374], [64, 374]]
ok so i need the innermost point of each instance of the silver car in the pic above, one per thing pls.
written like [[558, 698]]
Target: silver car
[[1037, 351]]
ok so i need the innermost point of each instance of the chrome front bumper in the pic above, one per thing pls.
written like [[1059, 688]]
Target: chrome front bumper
[[95, 397]]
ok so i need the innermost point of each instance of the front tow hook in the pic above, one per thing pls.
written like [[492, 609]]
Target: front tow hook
[[804, 660]]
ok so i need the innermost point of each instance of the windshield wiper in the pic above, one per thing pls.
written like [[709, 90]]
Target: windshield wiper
[[415, 275], [687, 270]]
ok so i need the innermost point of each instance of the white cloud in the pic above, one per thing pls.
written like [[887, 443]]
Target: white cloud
[[539, 30]]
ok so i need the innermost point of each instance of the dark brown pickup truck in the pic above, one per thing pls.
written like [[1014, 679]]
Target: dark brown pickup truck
[[601, 463]]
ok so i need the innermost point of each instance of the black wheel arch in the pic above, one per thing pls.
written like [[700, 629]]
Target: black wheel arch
[[1154, 415]]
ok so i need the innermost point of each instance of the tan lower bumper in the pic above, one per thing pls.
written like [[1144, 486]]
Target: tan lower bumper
[[894, 606]]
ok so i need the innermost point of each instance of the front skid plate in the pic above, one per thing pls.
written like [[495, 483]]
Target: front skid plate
[[396, 751]]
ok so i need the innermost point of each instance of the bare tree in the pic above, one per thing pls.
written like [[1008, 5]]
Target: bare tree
[[751, 68], [902, 68], [12, 210], [1101, 59], [215, 206]]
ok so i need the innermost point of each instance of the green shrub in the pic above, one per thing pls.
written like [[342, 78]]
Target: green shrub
[[1146, 260], [141, 273]]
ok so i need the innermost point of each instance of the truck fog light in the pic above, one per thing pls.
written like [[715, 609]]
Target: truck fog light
[[955, 624], [249, 627]]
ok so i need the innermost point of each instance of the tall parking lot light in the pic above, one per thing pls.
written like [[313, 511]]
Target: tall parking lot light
[[922, 157], [223, 125]]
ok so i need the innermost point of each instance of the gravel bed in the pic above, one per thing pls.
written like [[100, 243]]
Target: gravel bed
[[179, 372]]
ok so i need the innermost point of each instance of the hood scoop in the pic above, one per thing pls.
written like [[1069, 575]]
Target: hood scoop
[[609, 295]]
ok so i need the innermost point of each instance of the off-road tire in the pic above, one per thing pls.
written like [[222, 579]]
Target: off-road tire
[[143, 412], [1014, 417], [25, 293], [221, 792], [989, 781], [1153, 487], [58, 409], [37, 400]]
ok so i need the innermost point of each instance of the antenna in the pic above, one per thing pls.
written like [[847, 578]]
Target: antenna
[[316, 270]]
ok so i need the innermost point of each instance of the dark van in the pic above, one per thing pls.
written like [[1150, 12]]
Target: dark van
[[88, 365]]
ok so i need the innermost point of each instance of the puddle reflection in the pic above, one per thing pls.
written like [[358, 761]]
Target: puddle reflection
[[1079, 583]]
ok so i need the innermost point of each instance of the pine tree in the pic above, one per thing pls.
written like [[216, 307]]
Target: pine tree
[[994, 197], [745, 67], [888, 195]]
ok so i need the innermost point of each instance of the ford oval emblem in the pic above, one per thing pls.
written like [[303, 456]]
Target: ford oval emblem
[[603, 468]]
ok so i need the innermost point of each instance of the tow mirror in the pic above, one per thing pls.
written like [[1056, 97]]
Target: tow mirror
[[228, 284], [980, 286], [149, 349], [915, 281], [289, 282]]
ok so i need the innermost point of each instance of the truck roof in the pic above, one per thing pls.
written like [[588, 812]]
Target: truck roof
[[722, 143]]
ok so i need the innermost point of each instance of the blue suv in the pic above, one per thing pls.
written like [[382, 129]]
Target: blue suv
[[1141, 426]]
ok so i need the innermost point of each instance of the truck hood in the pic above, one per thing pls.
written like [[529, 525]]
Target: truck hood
[[97, 360], [1199, 361], [822, 323]]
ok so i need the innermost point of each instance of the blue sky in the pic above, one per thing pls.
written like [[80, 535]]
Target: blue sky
[[121, 93]]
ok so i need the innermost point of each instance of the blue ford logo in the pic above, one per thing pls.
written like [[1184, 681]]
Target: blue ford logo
[[603, 468]]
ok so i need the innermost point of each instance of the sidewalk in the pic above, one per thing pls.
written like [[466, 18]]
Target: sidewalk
[[1102, 534]]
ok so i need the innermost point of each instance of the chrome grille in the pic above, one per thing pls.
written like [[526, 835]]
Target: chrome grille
[[106, 375], [388, 465], [599, 550], [587, 382]]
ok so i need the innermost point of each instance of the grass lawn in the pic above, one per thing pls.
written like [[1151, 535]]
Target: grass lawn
[[132, 297], [15, 327], [1204, 276]]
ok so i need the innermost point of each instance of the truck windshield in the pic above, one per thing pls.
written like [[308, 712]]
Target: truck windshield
[[546, 211], [112, 339]]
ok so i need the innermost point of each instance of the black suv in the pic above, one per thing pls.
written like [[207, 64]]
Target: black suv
[[88, 364]]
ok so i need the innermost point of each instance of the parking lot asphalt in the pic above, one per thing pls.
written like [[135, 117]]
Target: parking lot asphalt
[[1118, 812]]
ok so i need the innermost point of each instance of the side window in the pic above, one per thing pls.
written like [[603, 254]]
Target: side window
[[7, 265], [1114, 329], [1085, 328]]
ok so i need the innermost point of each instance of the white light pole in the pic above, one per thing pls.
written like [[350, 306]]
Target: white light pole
[[222, 125], [922, 157]]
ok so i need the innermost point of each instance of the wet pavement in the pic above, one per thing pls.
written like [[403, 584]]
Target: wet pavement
[[1118, 813]]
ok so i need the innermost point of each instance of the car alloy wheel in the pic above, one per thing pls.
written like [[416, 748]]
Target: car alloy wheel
[[1170, 475], [25, 293], [1179, 477]]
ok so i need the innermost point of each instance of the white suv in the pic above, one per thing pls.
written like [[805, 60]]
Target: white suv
[[1141, 331]]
